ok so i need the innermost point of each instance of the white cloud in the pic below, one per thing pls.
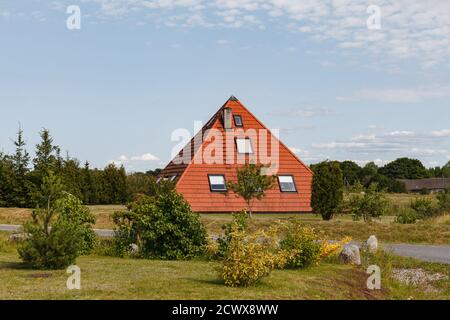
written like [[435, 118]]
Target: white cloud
[[406, 95], [441, 133], [145, 157], [410, 30], [394, 144]]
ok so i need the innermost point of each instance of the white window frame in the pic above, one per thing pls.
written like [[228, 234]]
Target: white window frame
[[248, 147], [241, 125], [211, 184], [287, 176]]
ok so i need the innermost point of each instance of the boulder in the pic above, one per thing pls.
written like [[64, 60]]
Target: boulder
[[350, 255], [134, 249], [371, 244]]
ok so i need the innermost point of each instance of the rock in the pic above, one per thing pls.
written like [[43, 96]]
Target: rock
[[18, 237], [350, 255], [371, 244], [134, 249]]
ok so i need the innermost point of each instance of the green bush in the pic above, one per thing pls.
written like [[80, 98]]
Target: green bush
[[55, 250], [406, 216], [368, 205], [444, 201], [301, 246], [162, 227], [327, 189], [60, 229], [72, 210], [424, 208], [240, 223]]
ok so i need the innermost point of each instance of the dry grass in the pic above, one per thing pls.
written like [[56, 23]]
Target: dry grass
[[435, 231]]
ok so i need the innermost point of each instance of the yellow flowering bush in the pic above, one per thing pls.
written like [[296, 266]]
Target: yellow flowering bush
[[301, 246], [331, 248], [249, 258]]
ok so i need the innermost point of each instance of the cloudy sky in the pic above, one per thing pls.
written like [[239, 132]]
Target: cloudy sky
[[117, 88]]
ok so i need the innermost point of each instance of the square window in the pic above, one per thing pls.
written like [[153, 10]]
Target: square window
[[217, 183], [287, 184], [244, 146], [238, 121]]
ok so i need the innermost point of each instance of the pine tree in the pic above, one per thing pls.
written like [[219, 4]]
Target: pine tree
[[47, 155], [20, 162], [327, 189]]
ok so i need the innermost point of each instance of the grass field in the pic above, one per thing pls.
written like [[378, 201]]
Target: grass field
[[110, 278], [435, 231]]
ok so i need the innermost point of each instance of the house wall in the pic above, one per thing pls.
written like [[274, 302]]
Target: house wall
[[194, 184]]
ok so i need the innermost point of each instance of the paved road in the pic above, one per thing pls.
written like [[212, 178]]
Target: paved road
[[103, 233], [430, 253]]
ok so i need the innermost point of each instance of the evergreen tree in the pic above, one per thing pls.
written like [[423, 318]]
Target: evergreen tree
[[47, 155], [20, 163], [114, 185], [328, 189], [6, 181]]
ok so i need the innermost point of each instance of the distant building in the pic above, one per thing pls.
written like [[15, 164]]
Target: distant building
[[432, 185]]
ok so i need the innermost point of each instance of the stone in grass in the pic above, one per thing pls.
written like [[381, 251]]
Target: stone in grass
[[371, 245], [350, 255], [134, 249], [18, 237]]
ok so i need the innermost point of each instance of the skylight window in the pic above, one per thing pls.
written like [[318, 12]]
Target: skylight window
[[217, 183], [244, 146], [287, 184], [238, 121]]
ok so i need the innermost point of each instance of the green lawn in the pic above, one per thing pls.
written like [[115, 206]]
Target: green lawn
[[115, 278]]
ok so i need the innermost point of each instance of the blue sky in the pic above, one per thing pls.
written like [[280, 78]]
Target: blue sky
[[117, 88]]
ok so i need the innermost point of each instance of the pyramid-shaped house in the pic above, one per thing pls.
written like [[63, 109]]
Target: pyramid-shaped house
[[232, 138]]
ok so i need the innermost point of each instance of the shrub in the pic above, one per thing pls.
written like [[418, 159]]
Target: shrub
[[301, 247], [444, 201], [368, 205], [406, 216], [72, 210], [424, 208], [249, 258], [240, 223], [60, 229], [162, 227], [327, 189], [55, 250]]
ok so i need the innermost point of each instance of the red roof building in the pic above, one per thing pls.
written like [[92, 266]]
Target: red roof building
[[230, 139]]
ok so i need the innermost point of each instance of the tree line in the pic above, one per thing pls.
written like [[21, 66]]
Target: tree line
[[21, 177], [386, 177]]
